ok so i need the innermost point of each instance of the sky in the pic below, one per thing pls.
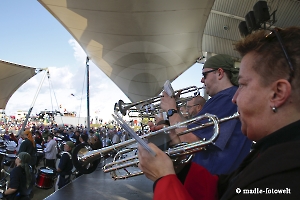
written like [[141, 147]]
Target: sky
[[31, 36]]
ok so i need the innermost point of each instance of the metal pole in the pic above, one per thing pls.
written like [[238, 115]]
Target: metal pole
[[33, 102], [88, 93]]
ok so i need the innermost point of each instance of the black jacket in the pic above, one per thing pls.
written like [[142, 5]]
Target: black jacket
[[274, 164]]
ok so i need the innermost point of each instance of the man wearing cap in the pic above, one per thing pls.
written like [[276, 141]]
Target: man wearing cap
[[65, 166], [220, 78], [21, 179]]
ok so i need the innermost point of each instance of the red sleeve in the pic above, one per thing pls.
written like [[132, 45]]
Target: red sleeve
[[199, 184]]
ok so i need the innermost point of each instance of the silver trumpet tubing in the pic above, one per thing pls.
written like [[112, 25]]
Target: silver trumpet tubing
[[86, 160], [180, 150], [5, 172], [151, 105], [5, 182], [132, 113]]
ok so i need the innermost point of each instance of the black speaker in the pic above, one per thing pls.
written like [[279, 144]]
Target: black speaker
[[251, 22], [243, 29], [261, 12]]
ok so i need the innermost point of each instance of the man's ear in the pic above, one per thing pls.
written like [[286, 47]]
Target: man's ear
[[220, 73], [281, 91]]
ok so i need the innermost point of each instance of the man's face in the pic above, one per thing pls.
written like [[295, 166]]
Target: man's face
[[184, 111], [192, 108], [210, 80]]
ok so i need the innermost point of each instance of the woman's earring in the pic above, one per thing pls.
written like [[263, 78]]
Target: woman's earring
[[274, 109]]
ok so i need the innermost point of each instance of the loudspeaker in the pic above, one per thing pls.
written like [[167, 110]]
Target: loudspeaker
[[251, 22], [261, 12], [243, 29]]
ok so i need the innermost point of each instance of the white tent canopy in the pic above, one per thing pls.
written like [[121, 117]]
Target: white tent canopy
[[138, 44], [12, 76]]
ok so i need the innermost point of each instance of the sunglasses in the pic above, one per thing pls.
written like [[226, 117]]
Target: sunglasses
[[275, 33], [204, 74]]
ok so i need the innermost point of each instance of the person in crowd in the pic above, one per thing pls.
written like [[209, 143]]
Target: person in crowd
[[65, 166], [96, 143], [45, 134], [65, 135], [124, 136], [268, 103], [183, 111], [38, 138], [76, 137], [20, 140], [6, 135], [115, 138], [71, 132], [22, 179], [90, 133], [39, 142], [83, 138], [28, 145], [106, 141], [50, 151], [194, 106], [231, 146], [13, 138]]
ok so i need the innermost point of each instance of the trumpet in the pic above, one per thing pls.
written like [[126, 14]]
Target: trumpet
[[5, 172], [148, 104], [6, 182], [87, 160]]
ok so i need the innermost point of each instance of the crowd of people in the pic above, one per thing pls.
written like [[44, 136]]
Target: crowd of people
[[51, 147]]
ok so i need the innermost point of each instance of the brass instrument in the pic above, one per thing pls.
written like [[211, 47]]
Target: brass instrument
[[86, 160], [149, 106], [6, 182], [136, 113], [3, 171]]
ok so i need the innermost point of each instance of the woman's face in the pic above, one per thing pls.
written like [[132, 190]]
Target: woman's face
[[17, 161], [253, 101]]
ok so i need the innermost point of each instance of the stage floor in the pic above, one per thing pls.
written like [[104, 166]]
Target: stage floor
[[99, 185]]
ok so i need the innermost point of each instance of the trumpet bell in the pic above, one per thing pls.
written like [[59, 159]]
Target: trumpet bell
[[83, 168]]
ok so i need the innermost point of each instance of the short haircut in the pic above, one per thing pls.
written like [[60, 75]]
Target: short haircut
[[199, 100], [270, 62]]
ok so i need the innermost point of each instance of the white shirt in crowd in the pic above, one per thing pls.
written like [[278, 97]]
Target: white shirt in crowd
[[19, 144], [50, 150]]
